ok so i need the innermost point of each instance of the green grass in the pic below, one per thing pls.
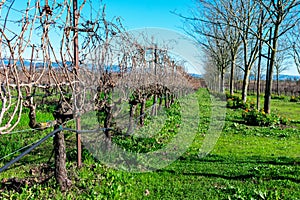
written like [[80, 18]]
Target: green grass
[[287, 109], [247, 162], [284, 107]]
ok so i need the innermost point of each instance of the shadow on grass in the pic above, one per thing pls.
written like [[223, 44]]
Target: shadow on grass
[[232, 168], [250, 160], [242, 177]]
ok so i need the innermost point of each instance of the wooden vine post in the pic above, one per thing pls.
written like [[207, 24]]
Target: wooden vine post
[[76, 69]]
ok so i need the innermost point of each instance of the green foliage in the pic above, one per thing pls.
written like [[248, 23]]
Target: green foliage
[[295, 99], [256, 117], [278, 97], [248, 162], [47, 107], [218, 95], [235, 101], [156, 140]]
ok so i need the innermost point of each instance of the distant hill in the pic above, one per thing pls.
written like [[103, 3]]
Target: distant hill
[[196, 75], [37, 64], [282, 77], [287, 77], [116, 68]]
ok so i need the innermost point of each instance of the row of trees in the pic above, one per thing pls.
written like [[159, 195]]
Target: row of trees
[[243, 34], [55, 51]]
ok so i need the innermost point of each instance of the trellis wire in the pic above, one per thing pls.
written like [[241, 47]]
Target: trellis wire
[[30, 149], [32, 129], [18, 150], [39, 142]]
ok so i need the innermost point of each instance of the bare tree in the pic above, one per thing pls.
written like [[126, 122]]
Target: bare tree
[[209, 26], [237, 22], [41, 26], [294, 41], [280, 66], [282, 16], [212, 74], [247, 22], [79, 89], [218, 51], [224, 10]]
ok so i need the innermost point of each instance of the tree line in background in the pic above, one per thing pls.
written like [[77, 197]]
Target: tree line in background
[[64, 54], [244, 37]]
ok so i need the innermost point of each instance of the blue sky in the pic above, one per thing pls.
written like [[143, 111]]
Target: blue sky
[[137, 14], [155, 13], [148, 13]]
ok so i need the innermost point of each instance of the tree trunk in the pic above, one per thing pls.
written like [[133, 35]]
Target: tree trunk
[[154, 105], [62, 114], [245, 84], [277, 82], [142, 112], [167, 103], [222, 81], [60, 161], [231, 84], [160, 103], [269, 82], [254, 84], [172, 99], [32, 116], [107, 126], [249, 87], [259, 61], [131, 119], [258, 77]]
